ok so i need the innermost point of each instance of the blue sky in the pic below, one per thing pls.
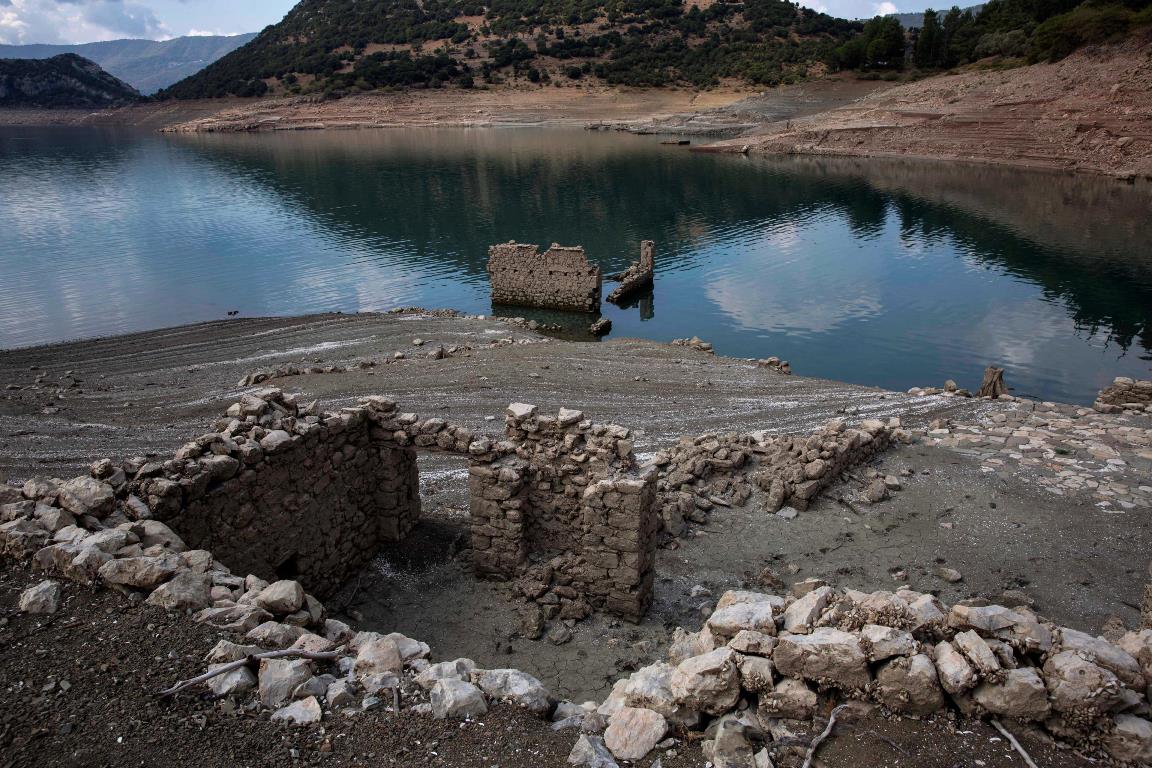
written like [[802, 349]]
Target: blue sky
[[85, 21]]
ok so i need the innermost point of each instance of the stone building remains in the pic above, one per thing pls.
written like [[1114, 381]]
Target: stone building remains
[[637, 277], [559, 278]]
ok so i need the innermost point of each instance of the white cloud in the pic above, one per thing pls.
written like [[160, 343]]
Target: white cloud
[[885, 8], [72, 21]]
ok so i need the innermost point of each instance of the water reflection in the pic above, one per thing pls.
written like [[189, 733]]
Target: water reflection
[[878, 272]]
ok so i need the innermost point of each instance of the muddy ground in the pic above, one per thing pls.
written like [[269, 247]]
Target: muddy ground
[[148, 393]]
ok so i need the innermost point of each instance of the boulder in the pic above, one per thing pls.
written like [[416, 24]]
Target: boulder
[[312, 643], [752, 643], [340, 694], [233, 683], [276, 441], [43, 598], [738, 596], [828, 656], [979, 654], [956, 674], [1022, 695], [590, 752], [726, 622], [225, 651], [730, 746], [456, 699], [140, 572], [409, 649], [882, 643], [280, 677], [304, 712], [155, 533], [86, 565], [281, 598], [517, 687], [909, 685], [1103, 653], [708, 683], [1138, 645], [790, 699], [634, 732], [233, 618], [377, 656], [1077, 686], [186, 591], [460, 669], [756, 673], [802, 615], [87, 496], [1131, 740], [1017, 627], [273, 634]]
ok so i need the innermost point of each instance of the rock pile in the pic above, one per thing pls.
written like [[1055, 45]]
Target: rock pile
[[701, 473], [638, 276], [762, 660], [775, 364], [1125, 395], [694, 343]]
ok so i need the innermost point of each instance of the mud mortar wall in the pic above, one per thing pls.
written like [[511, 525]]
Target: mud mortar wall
[[560, 278]]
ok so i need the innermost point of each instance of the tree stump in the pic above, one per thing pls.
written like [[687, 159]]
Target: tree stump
[[993, 384]]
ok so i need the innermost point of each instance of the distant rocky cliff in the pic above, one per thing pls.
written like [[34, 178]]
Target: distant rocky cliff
[[67, 80]]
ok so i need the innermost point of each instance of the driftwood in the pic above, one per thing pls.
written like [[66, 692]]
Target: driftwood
[[254, 661], [820, 739], [993, 384], [1015, 744]]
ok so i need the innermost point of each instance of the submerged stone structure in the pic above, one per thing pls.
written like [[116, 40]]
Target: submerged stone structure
[[638, 276], [1125, 394], [559, 278]]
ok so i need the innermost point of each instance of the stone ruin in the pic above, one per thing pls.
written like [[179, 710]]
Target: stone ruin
[[638, 276], [1125, 394], [560, 278], [286, 491]]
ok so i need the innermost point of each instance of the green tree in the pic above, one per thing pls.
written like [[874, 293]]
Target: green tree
[[929, 44]]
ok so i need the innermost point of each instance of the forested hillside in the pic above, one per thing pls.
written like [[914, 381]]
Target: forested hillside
[[67, 80], [337, 47]]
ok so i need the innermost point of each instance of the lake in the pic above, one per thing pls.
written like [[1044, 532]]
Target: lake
[[891, 273]]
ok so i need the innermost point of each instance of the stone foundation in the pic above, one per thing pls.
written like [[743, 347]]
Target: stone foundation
[[560, 278], [1125, 394]]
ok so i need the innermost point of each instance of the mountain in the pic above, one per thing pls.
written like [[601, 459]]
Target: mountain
[[147, 65], [916, 20], [66, 80], [343, 46]]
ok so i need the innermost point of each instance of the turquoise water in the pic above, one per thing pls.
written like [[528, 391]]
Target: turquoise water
[[889, 273]]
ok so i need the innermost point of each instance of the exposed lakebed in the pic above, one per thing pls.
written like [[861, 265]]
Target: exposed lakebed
[[878, 272]]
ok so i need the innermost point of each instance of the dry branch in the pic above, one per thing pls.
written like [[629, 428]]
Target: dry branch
[[253, 661], [1015, 744], [820, 739]]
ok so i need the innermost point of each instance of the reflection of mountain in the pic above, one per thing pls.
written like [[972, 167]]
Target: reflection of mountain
[[441, 197]]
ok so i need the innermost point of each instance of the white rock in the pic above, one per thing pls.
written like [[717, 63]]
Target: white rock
[[281, 598], [801, 616], [43, 598], [726, 622], [377, 656], [517, 687], [756, 673], [1131, 741], [456, 699], [882, 643], [1076, 685], [978, 653], [633, 732], [1022, 695], [829, 656], [233, 683], [273, 634], [708, 683], [460, 669], [1111, 657], [590, 752], [187, 591], [280, 677], [303, 712], [909, 685], [956, 674], [87, 496], [790, 699]]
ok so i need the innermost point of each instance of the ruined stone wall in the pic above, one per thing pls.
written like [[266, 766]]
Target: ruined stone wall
[[568, 496], [638, 276], [1125, 394], [284, 492], [560, 278]]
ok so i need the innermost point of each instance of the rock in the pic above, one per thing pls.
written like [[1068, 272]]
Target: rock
[[154, 533], [280, 677], [756, 673], [377, 656], [281, 598], [752, 643], [730, 747], [726, 622], [44, 598], [633, 732], [1021, 696], [87, 496], [276, 441], [909, 685], [409, 649], [791, 699], [651, 688], [979, 654], [234, 618], [337, 631], [1076, 685], [456, 699], [521, 411], [1139, 646], [186, 591], [460, 669], [234, 683], [876, 491], [956, 674], [828, 656], [140, 572], [273, 634], [708, 683], [1111, 657], [739, 596], [340, 694], [591, 752], [312, 643], [1018, 627], [517, 687], [1130, 740], [882, 643], [304, 712], [801, 616], [225, 651], [950, 575]]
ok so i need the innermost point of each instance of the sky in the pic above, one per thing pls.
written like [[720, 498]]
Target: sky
[[86, 21]]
